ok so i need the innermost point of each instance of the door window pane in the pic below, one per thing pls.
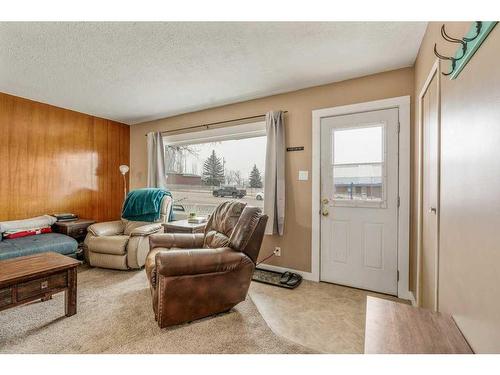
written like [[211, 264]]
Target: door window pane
[[358, 163]]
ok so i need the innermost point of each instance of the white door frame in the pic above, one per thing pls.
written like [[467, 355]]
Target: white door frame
[[403, 105], [435, 70]]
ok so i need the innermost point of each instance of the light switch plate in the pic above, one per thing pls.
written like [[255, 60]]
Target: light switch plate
[[303, 175]]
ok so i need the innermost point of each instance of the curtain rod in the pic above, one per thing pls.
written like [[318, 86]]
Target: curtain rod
[[206, 126]]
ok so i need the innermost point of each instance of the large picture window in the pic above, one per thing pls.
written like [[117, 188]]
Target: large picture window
[[208, 167]]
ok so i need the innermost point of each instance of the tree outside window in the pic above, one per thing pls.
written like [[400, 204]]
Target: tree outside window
[[255, 178], [213, 170]]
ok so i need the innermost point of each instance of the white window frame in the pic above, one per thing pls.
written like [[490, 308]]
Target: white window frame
[[363, 203], [226, 133]]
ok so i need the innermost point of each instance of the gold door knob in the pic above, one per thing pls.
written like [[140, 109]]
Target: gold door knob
[[324, 207]]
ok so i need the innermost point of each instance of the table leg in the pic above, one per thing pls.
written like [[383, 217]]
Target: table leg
[[70, 294]]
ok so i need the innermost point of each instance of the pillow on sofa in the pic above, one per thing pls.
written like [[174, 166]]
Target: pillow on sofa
[[26, 224], [26, 232]]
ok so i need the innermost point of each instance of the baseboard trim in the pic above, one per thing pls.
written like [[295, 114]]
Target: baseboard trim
[[410, 297], [305, 275], [311, 277]]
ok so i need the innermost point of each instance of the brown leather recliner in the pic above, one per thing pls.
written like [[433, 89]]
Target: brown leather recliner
[[196, 275]]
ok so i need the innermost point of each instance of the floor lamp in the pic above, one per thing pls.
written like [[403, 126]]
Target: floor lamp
[[123, 170]]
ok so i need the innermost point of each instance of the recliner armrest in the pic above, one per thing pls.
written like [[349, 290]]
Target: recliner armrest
[[199, 261], [108, 228], [146, 230], [182, 240]]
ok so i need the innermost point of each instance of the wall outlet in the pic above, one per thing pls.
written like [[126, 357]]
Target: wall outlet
[[277, 251]]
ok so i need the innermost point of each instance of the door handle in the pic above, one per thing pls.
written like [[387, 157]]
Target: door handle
[[432, 210], [324, 207]]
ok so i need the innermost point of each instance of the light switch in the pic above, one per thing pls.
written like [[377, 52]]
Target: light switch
[[303, 175]]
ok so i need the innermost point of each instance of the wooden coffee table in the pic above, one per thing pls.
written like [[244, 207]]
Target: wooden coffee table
[[38, 276]]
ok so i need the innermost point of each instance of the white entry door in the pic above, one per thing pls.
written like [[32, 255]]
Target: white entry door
[[359, 200]]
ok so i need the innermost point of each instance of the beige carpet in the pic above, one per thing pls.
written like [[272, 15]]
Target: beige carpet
[[115, 316]]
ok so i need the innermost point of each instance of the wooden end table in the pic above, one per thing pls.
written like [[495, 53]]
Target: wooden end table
[[38, 276], [182, 226], [76, 229]]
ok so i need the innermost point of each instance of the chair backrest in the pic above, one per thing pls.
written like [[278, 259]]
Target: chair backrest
[[238, 226], [166, 207], [147, 205], [221, 223], [249, 231]]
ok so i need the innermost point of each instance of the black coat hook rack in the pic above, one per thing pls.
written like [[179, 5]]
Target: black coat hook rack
[[469, 44]]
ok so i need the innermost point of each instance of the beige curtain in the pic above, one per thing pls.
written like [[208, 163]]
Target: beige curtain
[[156, 161], [274, 186]]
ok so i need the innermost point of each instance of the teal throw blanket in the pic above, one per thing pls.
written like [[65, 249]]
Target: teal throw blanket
[[144, 204]]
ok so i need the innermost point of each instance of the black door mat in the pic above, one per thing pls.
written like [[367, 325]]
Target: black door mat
[[271, 278]]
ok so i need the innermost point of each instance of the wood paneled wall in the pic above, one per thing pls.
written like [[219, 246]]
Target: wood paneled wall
[[57, 160]]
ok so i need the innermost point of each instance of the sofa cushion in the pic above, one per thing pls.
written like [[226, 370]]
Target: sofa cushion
[[113, 245], [55, 242]]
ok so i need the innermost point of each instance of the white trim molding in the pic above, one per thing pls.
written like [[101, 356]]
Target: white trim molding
[[411, 298], [434, 72], [240, 131], [403, 105]]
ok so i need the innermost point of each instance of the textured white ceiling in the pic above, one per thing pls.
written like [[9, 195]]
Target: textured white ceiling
[[134, 72]]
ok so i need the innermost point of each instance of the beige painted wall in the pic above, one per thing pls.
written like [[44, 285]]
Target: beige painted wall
[[469, 272], [296, 242]]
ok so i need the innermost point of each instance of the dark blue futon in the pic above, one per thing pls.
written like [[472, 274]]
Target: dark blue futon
[[55, 242]]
